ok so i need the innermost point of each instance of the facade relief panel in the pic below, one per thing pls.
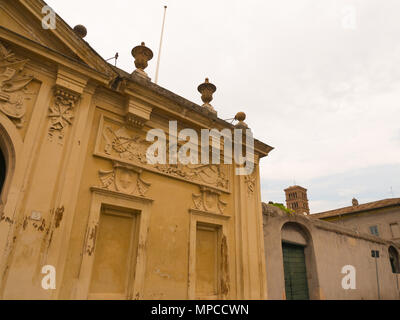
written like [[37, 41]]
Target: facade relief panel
[[117, 141], [124, 178]]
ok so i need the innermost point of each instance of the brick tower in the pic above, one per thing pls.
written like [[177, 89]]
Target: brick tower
[[296, 199]]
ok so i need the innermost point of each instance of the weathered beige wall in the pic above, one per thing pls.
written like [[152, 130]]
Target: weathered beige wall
[[329, 248], [382, 218], [68, 167]]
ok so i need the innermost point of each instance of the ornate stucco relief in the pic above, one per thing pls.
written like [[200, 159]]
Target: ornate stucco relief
[[13, 86], [61, 112], [125, 179], [209, 200], [137, 114], [117, 142]]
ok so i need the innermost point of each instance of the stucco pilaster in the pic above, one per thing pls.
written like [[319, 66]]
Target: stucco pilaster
[[40, 209], [250, 245]]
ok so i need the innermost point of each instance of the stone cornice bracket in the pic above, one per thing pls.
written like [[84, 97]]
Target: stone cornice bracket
[[137, 114], [209, 200], [71, 81], [68, 89]]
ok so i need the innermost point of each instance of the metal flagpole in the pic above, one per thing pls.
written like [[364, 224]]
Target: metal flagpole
[[161, 39]]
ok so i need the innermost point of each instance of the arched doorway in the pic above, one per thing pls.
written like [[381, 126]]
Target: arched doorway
[[3, 171]]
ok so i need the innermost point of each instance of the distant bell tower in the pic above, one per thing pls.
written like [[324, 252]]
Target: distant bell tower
[[296, 199]]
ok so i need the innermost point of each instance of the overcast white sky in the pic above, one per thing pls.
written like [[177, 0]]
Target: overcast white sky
[[318, 80]]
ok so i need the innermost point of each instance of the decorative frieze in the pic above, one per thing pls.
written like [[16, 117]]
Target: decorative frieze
[[13, 86], [125, 179], [209, 200]]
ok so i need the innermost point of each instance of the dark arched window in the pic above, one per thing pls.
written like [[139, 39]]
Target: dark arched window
[[2, 170], [394, 260]]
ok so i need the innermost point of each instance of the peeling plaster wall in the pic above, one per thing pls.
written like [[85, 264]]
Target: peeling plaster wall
[[333, 248]]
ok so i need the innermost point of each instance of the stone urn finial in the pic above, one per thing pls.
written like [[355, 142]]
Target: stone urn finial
[[241, 116], [142, 55], [207, 89], [80, 30]]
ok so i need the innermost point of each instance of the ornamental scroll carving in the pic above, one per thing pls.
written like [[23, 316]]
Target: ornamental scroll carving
[[61, 112], [125, 179], [119, 143], [209, 200], [13, 86], [250, 181]]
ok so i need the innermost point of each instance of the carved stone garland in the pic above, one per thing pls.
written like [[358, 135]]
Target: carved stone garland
[[13, 86], [209, 201]]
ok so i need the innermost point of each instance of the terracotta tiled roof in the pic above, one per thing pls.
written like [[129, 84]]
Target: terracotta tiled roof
[[360, 208]]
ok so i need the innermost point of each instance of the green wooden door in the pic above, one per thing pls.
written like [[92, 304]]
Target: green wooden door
[[295, 272]]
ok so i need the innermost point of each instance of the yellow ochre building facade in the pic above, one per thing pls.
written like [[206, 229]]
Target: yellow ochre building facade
[[77, 193]]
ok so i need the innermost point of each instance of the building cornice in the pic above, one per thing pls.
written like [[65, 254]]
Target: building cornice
[[76, 44], [179, 107], [52, 55]]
